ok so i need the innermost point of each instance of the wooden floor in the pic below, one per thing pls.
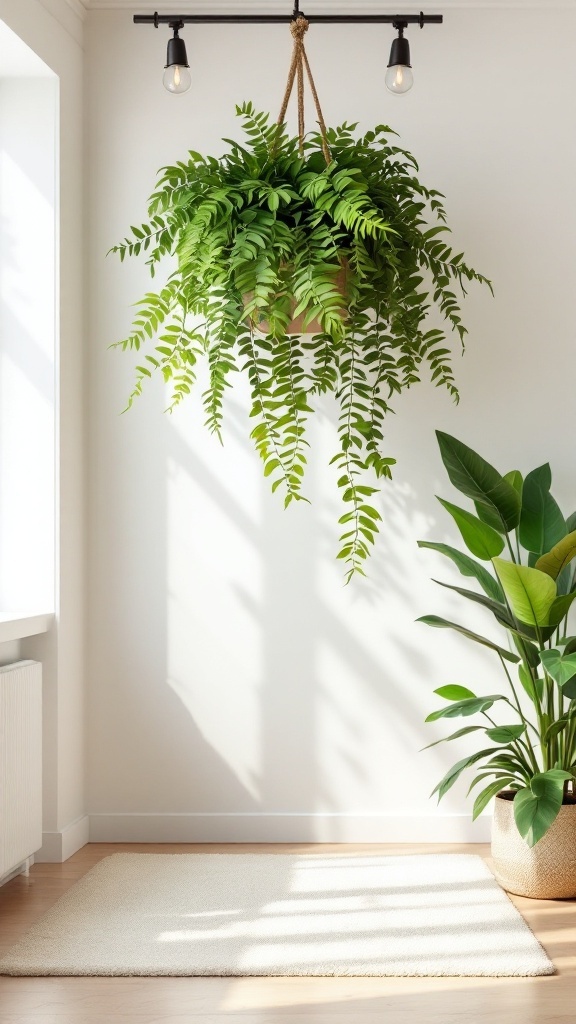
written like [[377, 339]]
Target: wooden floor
[[550, 1000]]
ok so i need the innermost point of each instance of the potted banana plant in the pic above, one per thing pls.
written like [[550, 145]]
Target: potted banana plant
[[519, 554]]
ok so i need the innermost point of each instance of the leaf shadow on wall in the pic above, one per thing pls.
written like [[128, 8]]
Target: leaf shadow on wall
[[292, 621]]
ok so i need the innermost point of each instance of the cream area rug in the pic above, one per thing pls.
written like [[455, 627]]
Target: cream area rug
[[278, 914]]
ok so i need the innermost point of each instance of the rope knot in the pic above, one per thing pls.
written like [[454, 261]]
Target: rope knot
[[299, 27]]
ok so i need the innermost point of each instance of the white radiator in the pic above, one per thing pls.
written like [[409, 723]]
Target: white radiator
[[20, 763]]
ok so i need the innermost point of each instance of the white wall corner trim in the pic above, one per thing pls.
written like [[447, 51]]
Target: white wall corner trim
[[287, 828], [69, 15], [59, 846], [79, 7]]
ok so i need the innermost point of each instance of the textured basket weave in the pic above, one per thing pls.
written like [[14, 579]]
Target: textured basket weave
[[545, 872]]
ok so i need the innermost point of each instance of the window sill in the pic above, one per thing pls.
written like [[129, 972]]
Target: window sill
[[16, 626]]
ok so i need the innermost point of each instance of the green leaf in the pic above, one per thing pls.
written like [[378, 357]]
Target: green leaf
[[567, 645], [507, 762], [504, 776], [479, 538], [515, 478], [490, 791], [527, 650], [468, 567], [454, 692], [530, 593], [497, 500], [569, 689], [464, 708], [505, 733], [487, 774], [561, 667], [536, 808], [560, 608], [534, 687], [440, 623], [456, 770], [559, 557], [498, 609], [555, 728], [542, 524], [455, 735]]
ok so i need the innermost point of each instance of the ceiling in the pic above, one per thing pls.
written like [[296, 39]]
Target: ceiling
[[309, 6]]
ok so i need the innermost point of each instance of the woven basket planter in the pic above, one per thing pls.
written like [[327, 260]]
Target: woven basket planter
[[545, 872]]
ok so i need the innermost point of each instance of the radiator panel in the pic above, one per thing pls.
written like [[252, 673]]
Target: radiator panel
[[20, 763]]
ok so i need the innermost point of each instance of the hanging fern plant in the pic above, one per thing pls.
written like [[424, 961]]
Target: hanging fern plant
[[331, 228]]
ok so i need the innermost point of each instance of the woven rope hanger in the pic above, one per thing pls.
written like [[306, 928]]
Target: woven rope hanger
[[299, 63]]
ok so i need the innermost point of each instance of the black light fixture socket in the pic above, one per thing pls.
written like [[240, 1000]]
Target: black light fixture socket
[[176, 53], [400, 53]]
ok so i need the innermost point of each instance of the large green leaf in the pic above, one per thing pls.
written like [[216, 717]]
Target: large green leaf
[[456, 770], [562, 667], [530, 593], [507, 762], [440, 623], [533, 685], [491, 790], [455, 735], [567, 645], [479, 538], [527, 650], [496, 607], [542, 524], [454, 692], [539, 633], [515, 478], [554, 561], [564, 580], [505, 733], [569, 689], [560, 608], [555, 728], [498, 502], [486, 774], [468, 567], [536, 808], [465, 708]]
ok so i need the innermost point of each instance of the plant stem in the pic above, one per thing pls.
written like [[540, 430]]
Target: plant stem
[[510, 548], [518, 547], [522, 715]]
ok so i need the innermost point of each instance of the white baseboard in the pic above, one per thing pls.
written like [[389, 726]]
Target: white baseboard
[[287, 828], [59, 846]]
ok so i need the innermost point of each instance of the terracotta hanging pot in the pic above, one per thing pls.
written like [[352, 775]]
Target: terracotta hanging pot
[[546, 871], [296, 325]]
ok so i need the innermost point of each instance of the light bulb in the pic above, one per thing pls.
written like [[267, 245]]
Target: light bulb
[[399, 78], [177, 78]]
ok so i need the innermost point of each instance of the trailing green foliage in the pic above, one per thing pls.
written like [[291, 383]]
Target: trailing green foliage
[[535, 756], [263, 235]]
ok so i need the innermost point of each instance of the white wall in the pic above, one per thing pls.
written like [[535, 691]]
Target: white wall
[[238, 690], [55, 36], [28, 134]]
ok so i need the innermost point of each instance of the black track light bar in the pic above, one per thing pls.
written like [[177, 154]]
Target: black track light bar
[[282, 19]]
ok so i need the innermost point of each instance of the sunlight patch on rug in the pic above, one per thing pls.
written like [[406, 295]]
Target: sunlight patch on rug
[[282, 915]]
